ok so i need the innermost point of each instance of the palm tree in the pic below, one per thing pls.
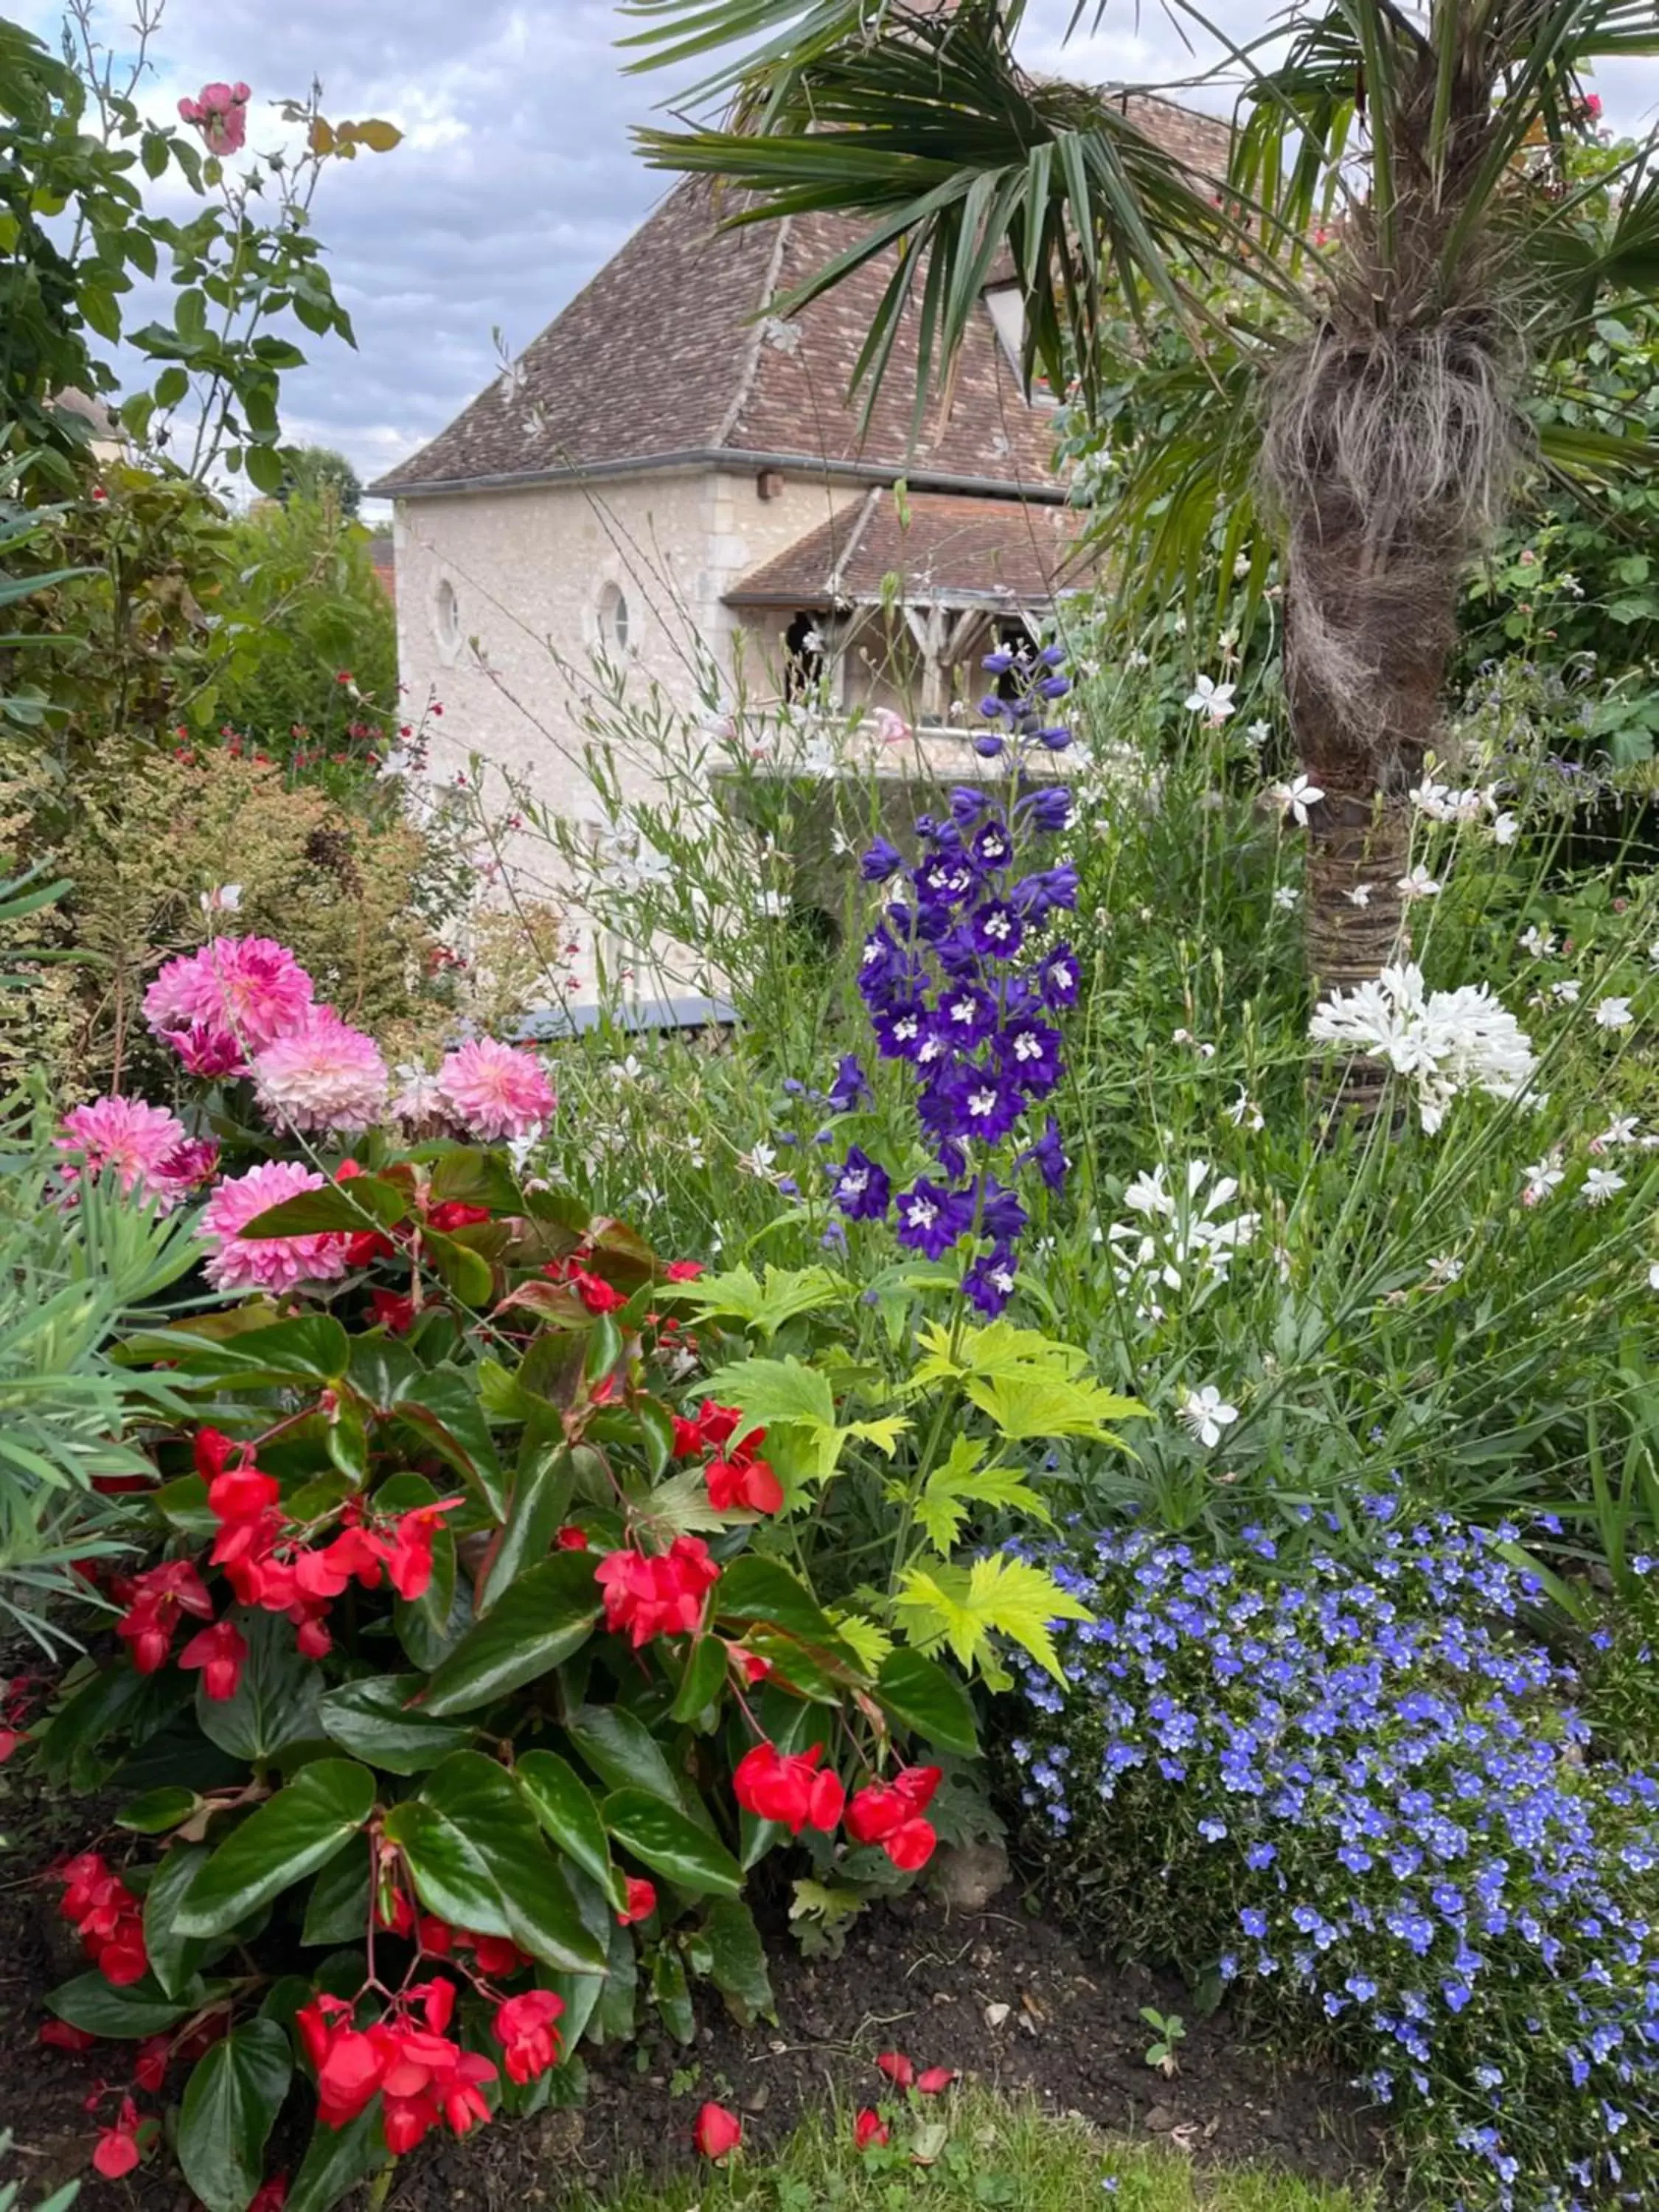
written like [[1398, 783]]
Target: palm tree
[[1382, 383]]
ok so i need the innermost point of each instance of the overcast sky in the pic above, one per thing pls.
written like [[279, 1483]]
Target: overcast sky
[[516, 180]]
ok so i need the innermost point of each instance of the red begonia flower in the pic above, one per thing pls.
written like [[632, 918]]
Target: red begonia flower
[[219, 1651], [934, 2080], [900, 2070], [787, 1788], [868, 2129], [641, 1901], [718, 2132], [524, 2028]]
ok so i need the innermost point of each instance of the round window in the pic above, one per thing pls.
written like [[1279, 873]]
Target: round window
[[613, 620], [447, 611]]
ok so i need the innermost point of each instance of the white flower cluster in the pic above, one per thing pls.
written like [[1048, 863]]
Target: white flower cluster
[[1446, 1041], [1178, 1244], [1444, 802]]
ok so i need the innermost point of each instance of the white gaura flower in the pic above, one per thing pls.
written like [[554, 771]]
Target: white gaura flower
[[1446, 1269], [1567, 990], [1540, 943], [1358, 895], [1447, 1041], [1621, 1130], [758, 1162], [1258, 734], [1285, 898], [1207, 1412], [1212, 700], [1505, 829], [1419, 884], [1244, 1113], [1600, 1185], [1653, 953], [1653, 1276], [1178, 1242], [1613, 1014], [1296, 796], [1541, 1178], [226, 898]]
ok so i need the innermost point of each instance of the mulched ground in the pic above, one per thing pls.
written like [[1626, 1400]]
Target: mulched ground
[[999, 1995]]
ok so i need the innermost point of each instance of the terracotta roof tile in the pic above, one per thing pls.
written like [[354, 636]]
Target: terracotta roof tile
[[945, 549], [660, 356]]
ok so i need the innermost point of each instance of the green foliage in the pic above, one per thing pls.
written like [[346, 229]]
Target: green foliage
[[317, 475]]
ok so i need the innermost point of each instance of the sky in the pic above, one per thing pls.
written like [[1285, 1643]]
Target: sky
[[516, 179]]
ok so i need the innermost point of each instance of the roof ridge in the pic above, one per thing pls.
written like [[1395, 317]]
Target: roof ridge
[[872, 499], [751, 370]]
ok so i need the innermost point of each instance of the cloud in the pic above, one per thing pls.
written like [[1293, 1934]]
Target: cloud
[[516, 180]]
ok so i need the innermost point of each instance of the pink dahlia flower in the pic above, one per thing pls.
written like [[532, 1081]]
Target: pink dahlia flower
[[496, 1090], [219, 111], [267, 1263], [323, 1074], [251, 988], [124, 1138]]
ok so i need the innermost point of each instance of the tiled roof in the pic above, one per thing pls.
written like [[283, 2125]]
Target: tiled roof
[[946, 549], [661, 359]]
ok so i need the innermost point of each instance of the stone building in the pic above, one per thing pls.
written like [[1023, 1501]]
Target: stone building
[[673, 479]]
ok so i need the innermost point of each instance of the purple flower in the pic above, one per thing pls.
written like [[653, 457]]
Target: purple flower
[[993, 848], [997, 663], [998, 930], [988, 747], [1053, 687], [900, 1028], [1036, 896], [1056, 738], [931, 1218], [1029, 1051], [1049, 810], [1048, 1155], [989, 1283], [881, 860], [851, 1087], [989, 1104], [966, 1014], [860, 1189], [1057, 978], [998, 1210]]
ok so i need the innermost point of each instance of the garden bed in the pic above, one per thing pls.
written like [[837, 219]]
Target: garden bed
[[915, 1976]]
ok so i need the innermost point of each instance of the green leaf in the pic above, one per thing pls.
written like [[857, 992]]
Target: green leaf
[[541, 1497], [961, 1481], [277, 1697], [336, 1912], [174, 1957], [660, 1835], [738, 1967], [613, 2017], [704, 1679], [622, 1751], [671, 1994], [336, 2160], [374, 1720], [918, 1691], [474, 1848], [463, 1174], [564, 1805], [738, 1295], [230, 2105], [757, 1589], [297, 1832], [440, 1411], [467, 1273], [158, 1810], [171, 386], [315, 1348], [771, 1392], [543, 1616], [141, 2009], [364, 1202]]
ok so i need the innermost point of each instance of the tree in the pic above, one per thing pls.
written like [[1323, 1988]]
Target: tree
[[1389, 372], [311, 469]]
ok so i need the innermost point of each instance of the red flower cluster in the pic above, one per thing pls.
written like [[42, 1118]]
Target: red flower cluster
[[902, 2072], [524, 2028], [107, 1917], [156, 1600], [118, 2149], [423, 2079], [595, 1293], [661, 1596], [493, 1954], [789, 1787], [737, 1475], [891, 1814], [219, 1651]]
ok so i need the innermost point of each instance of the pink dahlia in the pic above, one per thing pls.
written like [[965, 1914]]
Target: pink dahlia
[[250, 987], [267, 1263], [124, 1138], [496, 1090], [323, 1074]]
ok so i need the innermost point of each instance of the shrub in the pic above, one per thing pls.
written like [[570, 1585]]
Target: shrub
[[1360, 1792]]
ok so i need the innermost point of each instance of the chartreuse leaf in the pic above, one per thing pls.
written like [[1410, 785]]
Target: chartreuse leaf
[[476, 1855], [963, 1482], [299, 1830], [661, 1836], [870, 1643], [374, 1719], [781, 1393], [1031, 1386], [739, 1295], [564, 1805], [230, 2105], [918, 1691], [543, 1616], [966, 1607]]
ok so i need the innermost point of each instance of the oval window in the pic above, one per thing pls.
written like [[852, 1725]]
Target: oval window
[[448, 615], [613, 620]]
